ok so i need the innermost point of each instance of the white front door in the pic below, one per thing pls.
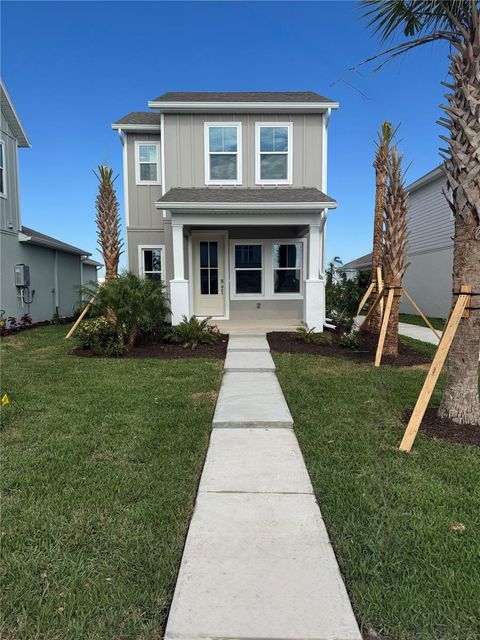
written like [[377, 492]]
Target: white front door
[[208, 275]]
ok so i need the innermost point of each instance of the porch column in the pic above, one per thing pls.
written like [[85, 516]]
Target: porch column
[[179, 298], [315, 284]]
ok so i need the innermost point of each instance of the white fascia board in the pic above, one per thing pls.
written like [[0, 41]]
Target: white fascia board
[[9, 107], [136, 127], [247, 206], [243, 106], [431, 176]]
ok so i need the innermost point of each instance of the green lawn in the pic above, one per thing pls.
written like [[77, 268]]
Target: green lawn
[[410, 318], [389, 515], [100, 469]]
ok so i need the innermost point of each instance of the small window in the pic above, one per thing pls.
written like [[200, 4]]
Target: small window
[[152, 263], [222, 161], [147, 166], [209, 268], [273, 164], [2, 168], [287, 268], [248, 268]]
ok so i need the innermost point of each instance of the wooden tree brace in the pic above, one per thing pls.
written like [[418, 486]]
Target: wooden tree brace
[[383, 330], [80, 317], [434, 372]]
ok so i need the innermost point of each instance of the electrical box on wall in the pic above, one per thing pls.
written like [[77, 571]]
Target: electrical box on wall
[[22, 275]]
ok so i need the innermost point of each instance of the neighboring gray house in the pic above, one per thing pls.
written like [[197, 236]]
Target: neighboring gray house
[[225, 201], [39, 274], [430, 246]]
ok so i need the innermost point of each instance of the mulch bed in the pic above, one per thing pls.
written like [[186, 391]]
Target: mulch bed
[[287, 342], [165, 351], [34, 325], [436, 427]]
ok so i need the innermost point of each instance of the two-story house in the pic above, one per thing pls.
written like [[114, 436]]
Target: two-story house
[[225, 201], [40, 275]]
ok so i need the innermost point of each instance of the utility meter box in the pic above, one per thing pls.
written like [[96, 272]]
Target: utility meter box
[[22, 275]]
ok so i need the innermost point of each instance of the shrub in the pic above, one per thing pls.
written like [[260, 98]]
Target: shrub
[[25, 320], [133, 305], [191, 333], [304, 334], [350, 340], [101, 336]]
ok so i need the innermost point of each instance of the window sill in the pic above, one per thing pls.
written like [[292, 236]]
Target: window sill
[[259, 297], [143, 183]]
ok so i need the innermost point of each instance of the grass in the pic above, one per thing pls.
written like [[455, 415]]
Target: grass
[[410, 575], [411, 318], [100, 469]]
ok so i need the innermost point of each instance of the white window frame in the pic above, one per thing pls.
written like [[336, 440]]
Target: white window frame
[[289, 126], [141, 262], [302, 269], [234, 269], [3, 194], [238, 179], [268, 275], [138, 181]]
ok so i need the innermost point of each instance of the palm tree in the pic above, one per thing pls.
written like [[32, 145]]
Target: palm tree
[[108, 221], [395, 245], [458, 23], [380, 164]]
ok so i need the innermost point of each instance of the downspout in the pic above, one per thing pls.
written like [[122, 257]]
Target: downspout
[[55, 276], [123, 140]]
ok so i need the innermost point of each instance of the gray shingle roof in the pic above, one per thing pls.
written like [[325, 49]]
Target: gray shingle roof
[[241, 96], [140, 117], [264, 195], [35, 237], [364, 262]]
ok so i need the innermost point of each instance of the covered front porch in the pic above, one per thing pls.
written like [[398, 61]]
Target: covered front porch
[[249, 270]]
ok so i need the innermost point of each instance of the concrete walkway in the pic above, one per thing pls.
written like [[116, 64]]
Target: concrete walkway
[[257, 563]]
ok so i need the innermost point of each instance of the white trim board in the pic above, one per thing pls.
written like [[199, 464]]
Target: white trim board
[[237, 107]]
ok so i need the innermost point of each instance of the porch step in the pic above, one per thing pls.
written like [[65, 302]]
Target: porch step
[[248, 343], [257, 361], [251, 399]]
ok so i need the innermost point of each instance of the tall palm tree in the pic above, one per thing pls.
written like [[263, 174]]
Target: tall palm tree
[[395, 245], [458, 23], [380, 164], [108, 221]]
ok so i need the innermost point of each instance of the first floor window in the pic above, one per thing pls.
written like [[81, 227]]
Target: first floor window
[[2, 168], [287, 267], [152, 263], [147, 163], [248, 268], [222, 157]]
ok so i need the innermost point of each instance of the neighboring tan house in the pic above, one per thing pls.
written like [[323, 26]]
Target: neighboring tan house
[[40, 275], [430, 246], [225, 201]]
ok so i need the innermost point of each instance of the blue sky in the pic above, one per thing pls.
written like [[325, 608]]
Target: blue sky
[[72, 68]]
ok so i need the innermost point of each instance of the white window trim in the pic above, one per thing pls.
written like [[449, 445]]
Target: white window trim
[[3, 194], [289, 126], [138, 181], [267, 270], [238, 179], [243, 296], [141, 248]]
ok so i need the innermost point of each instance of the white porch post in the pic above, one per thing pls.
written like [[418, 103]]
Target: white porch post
[[315, 284], [179, 299]]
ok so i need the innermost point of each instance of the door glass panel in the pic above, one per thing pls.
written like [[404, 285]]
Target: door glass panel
[[213, 282], [209, 268], [213, 254], [203, 254], [204, 281]]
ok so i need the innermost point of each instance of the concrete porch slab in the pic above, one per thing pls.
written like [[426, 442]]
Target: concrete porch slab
[[248, 361], [256, 461], [250, 399], [248, 343], [259, 566]]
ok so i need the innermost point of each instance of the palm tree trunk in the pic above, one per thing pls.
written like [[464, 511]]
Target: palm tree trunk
[[461, 398], [377, 254], [390, 347]]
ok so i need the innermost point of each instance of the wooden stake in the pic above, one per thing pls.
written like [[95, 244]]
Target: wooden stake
[[373, 307], [424, 317], [432, 376], [367, 295], [80, 317], [380, 286], [383, 330]]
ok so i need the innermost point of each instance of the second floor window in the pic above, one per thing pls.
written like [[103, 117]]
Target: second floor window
[[2, 168], [274, 153], [147, 162], [222, 153]]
